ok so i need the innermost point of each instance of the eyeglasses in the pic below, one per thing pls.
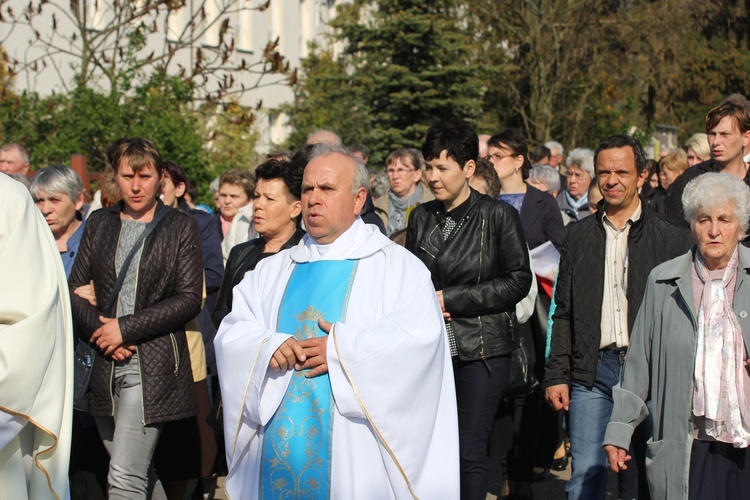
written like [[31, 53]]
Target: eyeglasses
[[391, 172], [578, 175], [498, 156]]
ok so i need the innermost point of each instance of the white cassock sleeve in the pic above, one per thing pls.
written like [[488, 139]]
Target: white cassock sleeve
[[396, 373], [245, 343], [36, 351]]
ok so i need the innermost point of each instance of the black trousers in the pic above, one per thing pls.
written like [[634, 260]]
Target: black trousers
[[479, 388], [718, 470]]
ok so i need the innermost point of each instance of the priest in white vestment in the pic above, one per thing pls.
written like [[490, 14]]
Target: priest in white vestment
[[335, 375], [36, 352]]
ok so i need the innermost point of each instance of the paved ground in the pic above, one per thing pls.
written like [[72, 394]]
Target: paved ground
[[552, 488]]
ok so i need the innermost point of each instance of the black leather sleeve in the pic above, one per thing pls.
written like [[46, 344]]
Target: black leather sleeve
[[513, 279]]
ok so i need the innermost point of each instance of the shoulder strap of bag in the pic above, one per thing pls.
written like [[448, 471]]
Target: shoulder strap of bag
[[159, 215]]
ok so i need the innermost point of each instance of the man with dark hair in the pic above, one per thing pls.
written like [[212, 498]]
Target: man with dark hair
[[604, 264], [728, 130], [360, 151]]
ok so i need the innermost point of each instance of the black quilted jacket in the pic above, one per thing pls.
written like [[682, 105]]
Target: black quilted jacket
[[576, 329], [482, 269], [169, 292]]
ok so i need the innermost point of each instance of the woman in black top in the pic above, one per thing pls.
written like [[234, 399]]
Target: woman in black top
[[475, 249]]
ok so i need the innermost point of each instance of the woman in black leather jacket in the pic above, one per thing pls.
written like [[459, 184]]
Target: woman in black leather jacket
[[475, 248]]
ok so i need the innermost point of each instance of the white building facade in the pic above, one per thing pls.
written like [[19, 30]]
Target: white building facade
[[48, 43]]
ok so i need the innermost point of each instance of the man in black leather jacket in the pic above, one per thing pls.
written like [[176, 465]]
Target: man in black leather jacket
[[604, 264], [475, 249]]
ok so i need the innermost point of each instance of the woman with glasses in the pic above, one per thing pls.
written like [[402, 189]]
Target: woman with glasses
[[404, 169], [540, 215], [542, 222]]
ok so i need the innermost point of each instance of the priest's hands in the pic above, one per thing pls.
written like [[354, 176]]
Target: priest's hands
[[303, 354], [107, 337], [316, 350], [287, 355]]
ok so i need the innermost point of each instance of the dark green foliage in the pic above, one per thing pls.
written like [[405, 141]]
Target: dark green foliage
[[408, 65], [86, 121]]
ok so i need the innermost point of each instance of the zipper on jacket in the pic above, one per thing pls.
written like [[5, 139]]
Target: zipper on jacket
[[143, 404], [175, 352], [481, 250], [421, 247], [112, 364], [137, 351]]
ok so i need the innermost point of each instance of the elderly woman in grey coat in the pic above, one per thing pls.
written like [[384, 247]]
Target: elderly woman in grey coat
[[688, 355]]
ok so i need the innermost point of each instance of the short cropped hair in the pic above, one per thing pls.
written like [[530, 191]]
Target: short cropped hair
[[539, 153], [242, 178], [138, 151], [514, 140], [715, 189], [582, 158], [324, 136], [544, 174], [556, 146], [735, 106], [359, 148], [287, 172], [699, 143], [621, 141], [22, 151], [485, 170], [56, 179], [361, 175], [457, 138]]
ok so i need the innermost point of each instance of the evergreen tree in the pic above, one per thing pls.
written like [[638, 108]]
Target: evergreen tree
[[404, 66]]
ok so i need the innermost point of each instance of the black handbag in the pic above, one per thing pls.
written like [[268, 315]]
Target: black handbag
[[85, 353], [522, 380]]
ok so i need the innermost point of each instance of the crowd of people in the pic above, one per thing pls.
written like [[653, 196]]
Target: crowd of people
[[328, 331]]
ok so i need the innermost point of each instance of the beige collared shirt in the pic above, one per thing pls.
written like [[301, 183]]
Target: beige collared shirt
[[614, 325]]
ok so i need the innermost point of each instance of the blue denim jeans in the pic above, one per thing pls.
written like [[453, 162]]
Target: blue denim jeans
[[590, 410], [130, 444]]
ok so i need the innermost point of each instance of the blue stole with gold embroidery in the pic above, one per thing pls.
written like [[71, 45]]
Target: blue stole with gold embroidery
[[296, 456]]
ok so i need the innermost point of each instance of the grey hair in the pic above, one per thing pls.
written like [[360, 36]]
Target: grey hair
[[361, 175], [323, 132], [554, 145], [582, 158], [22, 151], [544, 174], [57, 179], [380, 185], [214, 186], [714, 190]]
